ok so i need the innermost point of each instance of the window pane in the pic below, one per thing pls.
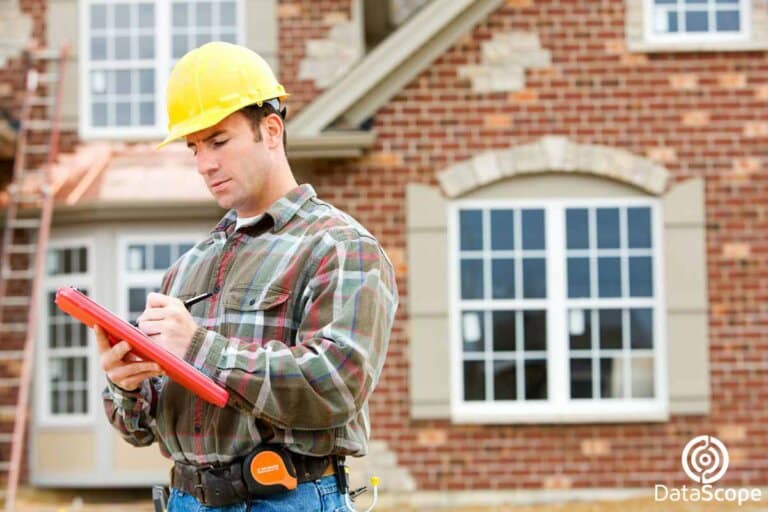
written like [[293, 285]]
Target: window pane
[[581, 378], [147, 113], [503, 278], [535, 329], [504, 380], [578, 277], [98, 83], [204, 13], [580, 328], [98, 48], [99, 114], [179, 46], [641, 328], [180, 14], [471, 230], [228, 37], [696, 21], [673, 23], [137, 300], [577, 228], [83, 260], [123, 114], [227, 13], [640, 277], [536, 379], [533, 229], [639, 220], [473, 331], [122, 15], [728, 21], [202, 38], [642, 377], [504, 330], [474, 380], [146, 47], [183, 248], [137, 257], [471, 279], [608, 228], [122, 48], [534, 278], [609, 277], [123, 81], [162, 256], [611, 377], [146, 16], [502, 230], [610, 328], [98, 16]]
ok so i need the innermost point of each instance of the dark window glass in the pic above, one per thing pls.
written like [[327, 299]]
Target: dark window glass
[[640, 277], [608, 228], [641, 328], [504, 330], [577, 228], [581, 378], [611, 377], [535, 328], [533, 229], [582, 338], [504, 380], [639, 220], [609, 277], [471, 228], [503, 278], [471, 279], [474, 380], [534, 278], [536, 379], [696, 21], [162, 256], [728, 21], [502, 230], [578, 277], [610, 328]]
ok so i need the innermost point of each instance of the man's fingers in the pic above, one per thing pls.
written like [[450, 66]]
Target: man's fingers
[[102, 342], [150, 327], [127, 371], [158, 300]]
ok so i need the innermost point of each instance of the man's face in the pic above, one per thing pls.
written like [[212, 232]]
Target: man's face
[[233, 162]]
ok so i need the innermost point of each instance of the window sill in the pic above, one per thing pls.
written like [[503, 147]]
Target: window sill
[[638, 411], [696, 46]]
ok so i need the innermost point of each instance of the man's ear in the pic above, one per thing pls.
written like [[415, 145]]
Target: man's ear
[[272, 130]]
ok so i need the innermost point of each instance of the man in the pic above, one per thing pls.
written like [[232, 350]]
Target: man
[[298, 324]]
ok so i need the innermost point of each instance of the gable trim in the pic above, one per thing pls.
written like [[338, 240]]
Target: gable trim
[[392, 64]]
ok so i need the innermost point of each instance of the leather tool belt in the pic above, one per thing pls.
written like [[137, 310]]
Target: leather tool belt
[[221, 486]]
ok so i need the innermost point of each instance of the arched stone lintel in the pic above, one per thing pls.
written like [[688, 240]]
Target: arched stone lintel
[[554, 154]]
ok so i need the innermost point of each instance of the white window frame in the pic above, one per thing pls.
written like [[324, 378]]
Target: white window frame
[[145, 278], [743, 35], [163, 63], [44, 416], [559, 408]]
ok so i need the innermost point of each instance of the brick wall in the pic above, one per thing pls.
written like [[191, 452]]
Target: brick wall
[[299, 22], [700, 115]]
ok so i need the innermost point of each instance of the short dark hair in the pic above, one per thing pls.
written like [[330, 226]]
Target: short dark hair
[[256, 114]]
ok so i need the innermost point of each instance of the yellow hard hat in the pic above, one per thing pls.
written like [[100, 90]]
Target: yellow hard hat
[[213, 81]]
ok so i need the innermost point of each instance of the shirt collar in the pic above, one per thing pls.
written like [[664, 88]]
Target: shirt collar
[[281, 211]]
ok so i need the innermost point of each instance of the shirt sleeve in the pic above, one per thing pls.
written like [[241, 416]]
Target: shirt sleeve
[[132, 413], [325, 379]]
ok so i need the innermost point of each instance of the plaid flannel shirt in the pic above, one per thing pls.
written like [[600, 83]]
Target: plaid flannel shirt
[[297, 330]]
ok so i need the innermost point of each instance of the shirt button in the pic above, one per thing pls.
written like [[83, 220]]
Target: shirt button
[[198, 428], [216, 289]]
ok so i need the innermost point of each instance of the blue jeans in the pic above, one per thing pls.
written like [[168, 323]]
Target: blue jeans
[[320, 495]]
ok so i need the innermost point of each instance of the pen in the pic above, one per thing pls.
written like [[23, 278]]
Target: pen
[[187, 303]]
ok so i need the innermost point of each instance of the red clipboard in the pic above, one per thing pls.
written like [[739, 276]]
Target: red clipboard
[[89, 312]]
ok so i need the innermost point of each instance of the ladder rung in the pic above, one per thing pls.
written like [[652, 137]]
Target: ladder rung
[[11, 355], [27, 199], [45, 54], [38, 124], [37, 149], [6, 438], [13, 327], [19, 274], [15, 301], [41, 101], [47, 78], [7, 411], [22, 249], [24, 223], [10, 383], [5, 466]]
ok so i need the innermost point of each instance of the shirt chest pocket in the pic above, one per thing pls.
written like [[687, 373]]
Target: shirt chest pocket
[[258, 314]]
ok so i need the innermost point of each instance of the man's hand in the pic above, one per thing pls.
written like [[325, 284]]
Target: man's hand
[[123, 368], [168, 322]]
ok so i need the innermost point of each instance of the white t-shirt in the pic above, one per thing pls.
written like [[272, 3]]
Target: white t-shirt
[[247, 221]]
